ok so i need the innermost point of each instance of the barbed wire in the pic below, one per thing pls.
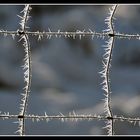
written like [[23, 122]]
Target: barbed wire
[[109, 118], [72, 116], [26, 67], [66, 34], [105, 73]]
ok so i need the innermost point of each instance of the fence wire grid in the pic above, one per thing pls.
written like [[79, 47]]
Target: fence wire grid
[[109, 33]]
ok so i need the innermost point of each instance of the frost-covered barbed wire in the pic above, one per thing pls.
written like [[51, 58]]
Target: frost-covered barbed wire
[[73, 34], [72, 116], [26, 68], [111, 35], [105, 73]]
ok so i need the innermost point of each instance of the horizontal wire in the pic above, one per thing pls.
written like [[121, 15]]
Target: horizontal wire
[[71, 116], [82, 33]]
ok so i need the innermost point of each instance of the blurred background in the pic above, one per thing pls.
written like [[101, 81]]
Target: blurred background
[[65, 71]]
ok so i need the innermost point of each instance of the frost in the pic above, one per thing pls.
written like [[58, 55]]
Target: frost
[[106, 63]]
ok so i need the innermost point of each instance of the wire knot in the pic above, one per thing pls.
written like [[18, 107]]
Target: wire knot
[[110, 118], [111, 35], [20, 32], [20, 116]]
